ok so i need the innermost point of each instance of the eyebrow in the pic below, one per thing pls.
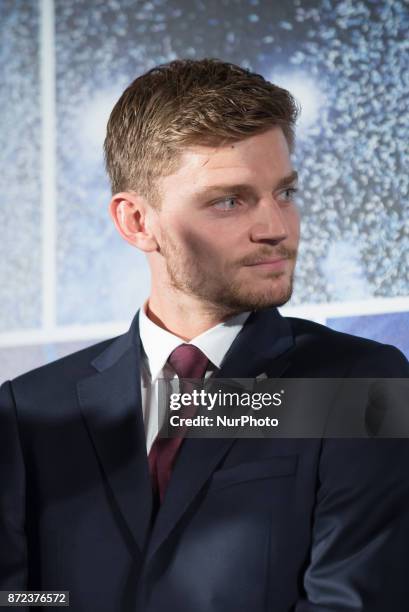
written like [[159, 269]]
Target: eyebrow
[[285, 181]]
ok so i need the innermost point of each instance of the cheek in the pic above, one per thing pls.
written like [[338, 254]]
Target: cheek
[[293, 223], [204, 244]]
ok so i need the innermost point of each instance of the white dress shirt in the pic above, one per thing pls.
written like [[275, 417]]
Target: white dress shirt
[[157, 345]]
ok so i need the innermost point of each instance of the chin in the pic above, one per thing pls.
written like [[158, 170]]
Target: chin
[[258, 300], [277, 297], [269, 303]]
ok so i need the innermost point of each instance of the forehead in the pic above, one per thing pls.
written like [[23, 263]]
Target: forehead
[[265, 153]]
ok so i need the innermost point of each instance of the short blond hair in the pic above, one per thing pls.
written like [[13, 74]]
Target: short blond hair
[[183, 103]]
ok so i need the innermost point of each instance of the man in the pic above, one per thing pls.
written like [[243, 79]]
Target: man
[[92, 501]]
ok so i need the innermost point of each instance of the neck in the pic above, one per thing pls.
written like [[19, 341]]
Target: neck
[[184, 316]]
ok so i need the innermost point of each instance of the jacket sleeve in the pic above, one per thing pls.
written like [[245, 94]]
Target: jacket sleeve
[[359, 560], [13, 554]]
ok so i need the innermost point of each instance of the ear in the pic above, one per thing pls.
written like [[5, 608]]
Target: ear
[[130, 212]]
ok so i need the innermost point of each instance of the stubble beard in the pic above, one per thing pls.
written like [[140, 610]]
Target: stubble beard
[[191, 276]]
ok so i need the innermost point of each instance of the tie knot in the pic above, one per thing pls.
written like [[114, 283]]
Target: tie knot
[[188, 361]]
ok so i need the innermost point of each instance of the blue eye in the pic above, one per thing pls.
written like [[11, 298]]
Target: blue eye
[[288, 194], [225, 204]]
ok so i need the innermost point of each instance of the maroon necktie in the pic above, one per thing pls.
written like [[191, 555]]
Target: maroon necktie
[[188, 361]]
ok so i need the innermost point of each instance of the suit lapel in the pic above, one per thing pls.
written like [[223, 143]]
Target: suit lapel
[[111, 404], [260, 347]]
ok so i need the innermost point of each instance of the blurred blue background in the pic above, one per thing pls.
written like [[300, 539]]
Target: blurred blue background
[[67, 279]]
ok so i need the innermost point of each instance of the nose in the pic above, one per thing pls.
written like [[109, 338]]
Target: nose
[[269, 223]]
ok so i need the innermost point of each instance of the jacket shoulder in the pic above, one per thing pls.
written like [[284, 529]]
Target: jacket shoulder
[[69, 367], [342, 354]]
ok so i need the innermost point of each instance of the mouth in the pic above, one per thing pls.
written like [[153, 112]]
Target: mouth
[[278, 263]]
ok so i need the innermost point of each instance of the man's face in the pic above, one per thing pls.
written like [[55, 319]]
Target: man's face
[[228, 227]]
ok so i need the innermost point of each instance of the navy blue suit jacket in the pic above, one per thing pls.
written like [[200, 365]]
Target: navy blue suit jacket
[[247, 525]]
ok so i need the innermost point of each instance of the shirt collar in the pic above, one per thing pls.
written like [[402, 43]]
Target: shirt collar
[[158, 343]]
